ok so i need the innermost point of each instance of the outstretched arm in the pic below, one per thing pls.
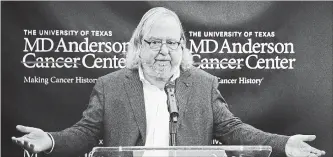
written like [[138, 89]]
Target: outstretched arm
[[79, 138], [231, 130]]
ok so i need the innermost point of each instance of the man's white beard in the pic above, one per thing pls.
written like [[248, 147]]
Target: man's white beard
[[158, 72]]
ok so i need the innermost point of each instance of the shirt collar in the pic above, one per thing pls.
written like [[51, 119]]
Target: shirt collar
[[173, 78]]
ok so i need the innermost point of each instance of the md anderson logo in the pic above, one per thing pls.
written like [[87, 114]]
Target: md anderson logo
[[57, 80], [242, 80]]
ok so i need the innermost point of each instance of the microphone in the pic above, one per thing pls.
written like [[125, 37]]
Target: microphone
[[171, 101], [173, 110]]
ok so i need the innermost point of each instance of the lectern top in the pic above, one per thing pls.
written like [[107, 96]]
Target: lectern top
[[183, 151], [226, 148]]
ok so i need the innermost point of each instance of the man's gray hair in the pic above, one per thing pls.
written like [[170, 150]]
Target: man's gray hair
[[135, 44]]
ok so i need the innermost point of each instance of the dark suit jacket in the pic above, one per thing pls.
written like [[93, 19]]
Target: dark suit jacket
[[116, 113]]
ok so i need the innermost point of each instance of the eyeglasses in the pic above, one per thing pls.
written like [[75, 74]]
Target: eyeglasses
[[157, 44]]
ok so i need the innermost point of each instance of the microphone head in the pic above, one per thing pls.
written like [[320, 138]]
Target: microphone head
[[170, 85]]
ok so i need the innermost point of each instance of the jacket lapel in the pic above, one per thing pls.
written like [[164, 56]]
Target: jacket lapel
[[134, 90], [183, 84]]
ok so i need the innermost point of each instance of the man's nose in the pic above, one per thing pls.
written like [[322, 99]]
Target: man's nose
[[164, 49]]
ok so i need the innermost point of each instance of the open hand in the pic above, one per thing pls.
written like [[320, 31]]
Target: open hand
[[35, 140], [296, 147]]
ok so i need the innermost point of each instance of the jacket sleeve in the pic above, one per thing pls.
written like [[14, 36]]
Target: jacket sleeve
[[83, 135], [232, 131]]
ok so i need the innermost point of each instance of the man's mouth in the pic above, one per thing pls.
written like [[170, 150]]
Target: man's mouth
[[163, 62]]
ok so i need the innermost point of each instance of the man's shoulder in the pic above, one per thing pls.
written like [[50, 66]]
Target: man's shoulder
[[199, 74]]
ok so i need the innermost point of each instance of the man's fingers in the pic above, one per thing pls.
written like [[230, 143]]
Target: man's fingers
[[306, 137], [19, 141], [15, 141], [23, 142], [25, 129], [32, 146], [29, 146], [315, 151], [26, 145]]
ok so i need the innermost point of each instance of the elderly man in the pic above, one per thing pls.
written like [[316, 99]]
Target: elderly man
[[129, 107]]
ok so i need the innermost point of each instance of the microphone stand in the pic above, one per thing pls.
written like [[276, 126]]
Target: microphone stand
[[173, 130], [173, 110]]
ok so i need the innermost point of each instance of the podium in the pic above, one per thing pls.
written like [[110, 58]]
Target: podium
[[182, 151]]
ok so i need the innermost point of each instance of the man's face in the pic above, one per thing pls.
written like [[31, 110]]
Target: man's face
[[161, 53]]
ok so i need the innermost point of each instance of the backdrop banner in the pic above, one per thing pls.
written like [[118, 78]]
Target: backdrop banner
[[273, 60]]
